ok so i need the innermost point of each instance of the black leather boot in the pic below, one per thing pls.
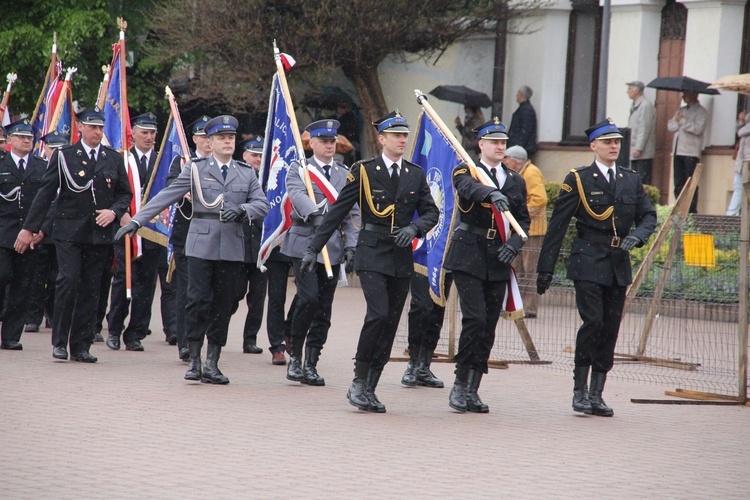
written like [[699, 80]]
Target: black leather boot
[[424, 374], [410, 375], [211, 373], [194, 361], [294, 368], [473, 403], [598, 405], [457, 399], [581, 390], [357, 393], [309, 369], [373, 377]]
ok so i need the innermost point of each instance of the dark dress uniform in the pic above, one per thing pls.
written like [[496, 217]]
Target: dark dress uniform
[[82, 245], [600, 269], [18, 187], [383, 267], [480, 278]]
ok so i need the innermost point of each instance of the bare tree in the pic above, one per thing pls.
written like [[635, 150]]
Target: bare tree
[[226, 44]]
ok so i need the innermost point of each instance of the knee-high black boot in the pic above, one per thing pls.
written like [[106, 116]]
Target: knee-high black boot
[[194, 366], [211, 373]]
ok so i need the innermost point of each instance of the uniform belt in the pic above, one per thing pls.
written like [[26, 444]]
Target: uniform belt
[[489, 233], [205, 215], [606, 239], [375, 228]]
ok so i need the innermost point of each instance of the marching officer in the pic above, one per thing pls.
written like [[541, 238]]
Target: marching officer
[[180, 227], [93, 193], [20, 177], [607, 201], [393, 190], [315, 290], [481, 251], [226, 191]]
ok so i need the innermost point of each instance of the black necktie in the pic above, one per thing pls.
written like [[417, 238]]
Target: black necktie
[[327, 170], [92, 155], [144, 165], [394, 176], [224, 171], [21, 164], [493, 173], [611, 175]]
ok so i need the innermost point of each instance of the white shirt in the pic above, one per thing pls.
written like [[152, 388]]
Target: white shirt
[[19, 158], [499, 173], [88, 149], [139, 154], [389, 164], [604, 169]]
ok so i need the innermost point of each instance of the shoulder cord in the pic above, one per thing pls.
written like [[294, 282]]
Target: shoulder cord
[[196, 185], [609, 212], [70, 182], [13, 195], [474, 176], [390, 210], [179, 205]]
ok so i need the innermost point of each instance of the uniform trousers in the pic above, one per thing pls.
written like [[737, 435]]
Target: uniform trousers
[[16, 271], [180, 282], [312, 312], [277, 274], [144, 273], [168, 294], [425, 316], [80, 268], [41, 298], [684, 167], [481, 304], [600, 308], [255, 284], [385, 296], [211, 297]]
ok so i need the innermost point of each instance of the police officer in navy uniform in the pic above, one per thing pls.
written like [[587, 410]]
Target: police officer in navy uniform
[[93, 194], [479, 256], [144, 270], [226, 192], [180, 225], [392, 190], [315, 290], [20, 178], [613, 216], [41, 298]]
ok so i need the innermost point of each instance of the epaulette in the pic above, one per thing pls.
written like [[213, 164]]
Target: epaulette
[[578, 169], [195, 159], [341, 165], [104, 146], [411, 164], [243, 164], [628, 169]]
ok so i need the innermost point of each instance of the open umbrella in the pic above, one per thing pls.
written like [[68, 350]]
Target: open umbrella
[[462, 95], [734, 83], [681, 84]]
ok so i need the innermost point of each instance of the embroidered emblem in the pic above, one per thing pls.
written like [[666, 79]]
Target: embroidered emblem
[[566, 188]]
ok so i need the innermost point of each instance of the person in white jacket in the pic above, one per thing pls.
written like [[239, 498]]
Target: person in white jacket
[[743, 155]]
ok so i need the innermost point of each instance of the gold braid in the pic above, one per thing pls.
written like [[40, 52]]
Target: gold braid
[[604, 215], [390, 210]]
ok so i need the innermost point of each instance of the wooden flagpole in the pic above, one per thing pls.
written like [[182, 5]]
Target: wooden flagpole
[[422, 99], [103, 87], [123, 25], [178, 125], [298, 142]]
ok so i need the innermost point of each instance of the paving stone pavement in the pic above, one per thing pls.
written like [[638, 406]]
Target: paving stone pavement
[[131, 427]]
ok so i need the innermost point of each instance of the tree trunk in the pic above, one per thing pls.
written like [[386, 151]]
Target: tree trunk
[[367, 84]]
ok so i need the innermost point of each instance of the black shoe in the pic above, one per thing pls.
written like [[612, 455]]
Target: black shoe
[[373, 376], [194, 358], [31, 327], [134, 346], [84, 357], [211, 373], [11, 345], [310, 374], [60, 353], [410, 375], [294, 369], [457, 398], [357, 394], [425, 377], [98, 337], [252, 349], [172, 338], [113, 342], [184, 354]]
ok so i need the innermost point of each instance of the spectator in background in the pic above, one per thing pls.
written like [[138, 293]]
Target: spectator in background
[[688, 125], [517, 160], [473, 119], [522, 131], [743, 155], [349, 128], [642, 138]]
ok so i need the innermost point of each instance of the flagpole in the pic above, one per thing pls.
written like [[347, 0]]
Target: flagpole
[[422, 99], [103, 87], [125, 151], [178, 124], [60, 101], [298, 142], [12, 77], [50, 69]]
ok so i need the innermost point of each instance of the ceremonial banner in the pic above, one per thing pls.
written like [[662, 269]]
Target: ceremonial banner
[[66, 125], [51, 81], [279, 152], [435, 154], [116, 107], [159, 229]]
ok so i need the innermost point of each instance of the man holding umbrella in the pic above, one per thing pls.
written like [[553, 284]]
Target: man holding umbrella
[[688, 125]]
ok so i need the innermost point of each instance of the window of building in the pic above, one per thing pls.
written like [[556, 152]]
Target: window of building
[[584, 43]]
